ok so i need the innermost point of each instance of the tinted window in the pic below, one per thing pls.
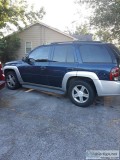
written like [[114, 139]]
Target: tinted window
[[60, 53], [40, 54], [115, 51], [70, 54], [95, 53], [63, 53]]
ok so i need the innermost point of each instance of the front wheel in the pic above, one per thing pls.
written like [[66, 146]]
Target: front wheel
[[81, 93], [11, 80]]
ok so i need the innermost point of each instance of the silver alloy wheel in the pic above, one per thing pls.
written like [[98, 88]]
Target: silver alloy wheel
[[80, 94], [10, 80]]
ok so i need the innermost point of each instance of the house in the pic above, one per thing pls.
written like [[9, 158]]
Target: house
[[38, 34]]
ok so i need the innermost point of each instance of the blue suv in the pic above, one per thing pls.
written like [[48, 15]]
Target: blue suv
[[80, 69]]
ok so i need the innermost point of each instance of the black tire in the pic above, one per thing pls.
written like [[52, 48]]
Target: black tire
[[14, 84], [79, 98]]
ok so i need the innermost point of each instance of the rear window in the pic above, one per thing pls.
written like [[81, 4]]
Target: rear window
[[95, 53], [115, 49]]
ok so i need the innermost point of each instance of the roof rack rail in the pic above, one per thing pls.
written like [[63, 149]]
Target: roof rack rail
[[62, 42], [76, 41]]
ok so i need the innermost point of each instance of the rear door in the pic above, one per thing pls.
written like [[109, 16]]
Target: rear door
[[63, 61]]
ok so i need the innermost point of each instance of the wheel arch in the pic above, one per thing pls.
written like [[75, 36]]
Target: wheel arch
[[8, 70], [89, 80], [79, 75], [14, 69]]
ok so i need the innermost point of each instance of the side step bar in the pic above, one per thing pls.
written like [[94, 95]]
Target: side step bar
[[41, 88]]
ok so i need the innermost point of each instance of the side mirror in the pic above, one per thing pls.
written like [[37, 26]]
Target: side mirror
[[25, 59], [31, 60]]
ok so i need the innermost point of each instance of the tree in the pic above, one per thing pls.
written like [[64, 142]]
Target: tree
[[103, 35], [106, 16], [15, 12], [82, 29], [8, 47]]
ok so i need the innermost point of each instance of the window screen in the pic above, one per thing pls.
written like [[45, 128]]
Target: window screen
[[95, 53], [28, 47]]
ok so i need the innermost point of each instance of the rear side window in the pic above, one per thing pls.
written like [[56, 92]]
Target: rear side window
[[95, 53], [64, 53], [115, 49], [60, 54], [70, 54]]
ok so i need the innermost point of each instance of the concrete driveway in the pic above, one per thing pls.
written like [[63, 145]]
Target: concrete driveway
[[38, 126]]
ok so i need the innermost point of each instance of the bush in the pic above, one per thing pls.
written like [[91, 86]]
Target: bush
[[8, 47]]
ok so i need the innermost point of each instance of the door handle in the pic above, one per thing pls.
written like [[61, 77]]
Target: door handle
[[43, 68]]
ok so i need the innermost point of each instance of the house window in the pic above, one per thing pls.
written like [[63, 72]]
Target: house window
[[28, 47]]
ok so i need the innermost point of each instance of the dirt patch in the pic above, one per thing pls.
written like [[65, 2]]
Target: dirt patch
[[4, 103]]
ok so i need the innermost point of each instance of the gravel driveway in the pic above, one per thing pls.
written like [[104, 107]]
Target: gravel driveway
[[39, 126]]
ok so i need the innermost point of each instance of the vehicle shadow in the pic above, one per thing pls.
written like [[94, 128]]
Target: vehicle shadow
[[108, 101]]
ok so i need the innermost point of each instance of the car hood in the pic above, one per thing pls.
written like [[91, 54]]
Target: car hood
[[14, 62]]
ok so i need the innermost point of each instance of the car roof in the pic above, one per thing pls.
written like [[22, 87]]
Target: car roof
[[72, 42]]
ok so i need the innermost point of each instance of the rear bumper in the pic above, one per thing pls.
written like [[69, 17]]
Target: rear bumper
[[107, 88], [2, 84]]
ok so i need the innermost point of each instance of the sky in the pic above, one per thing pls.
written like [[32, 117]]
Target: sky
[[62, 14]]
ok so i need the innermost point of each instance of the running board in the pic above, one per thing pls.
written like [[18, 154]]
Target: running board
[[40, 88]]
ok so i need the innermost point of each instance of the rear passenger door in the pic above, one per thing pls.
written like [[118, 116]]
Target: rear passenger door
[[63, 61]]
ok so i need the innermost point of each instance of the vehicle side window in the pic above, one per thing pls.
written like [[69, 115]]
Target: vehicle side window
[[95, 53], [63, 53], [40, 54], [60, 53], [70, 54]]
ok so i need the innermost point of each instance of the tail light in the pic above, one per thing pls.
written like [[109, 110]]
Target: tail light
[[114, 74], [2, 77]]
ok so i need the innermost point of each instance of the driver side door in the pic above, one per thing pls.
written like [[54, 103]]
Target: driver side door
[[36, 71]]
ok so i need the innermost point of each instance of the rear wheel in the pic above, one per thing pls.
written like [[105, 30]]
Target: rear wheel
[[81, 93], [12, 80]]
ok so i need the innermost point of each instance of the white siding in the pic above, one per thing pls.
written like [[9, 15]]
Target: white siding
[[38, 35]]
